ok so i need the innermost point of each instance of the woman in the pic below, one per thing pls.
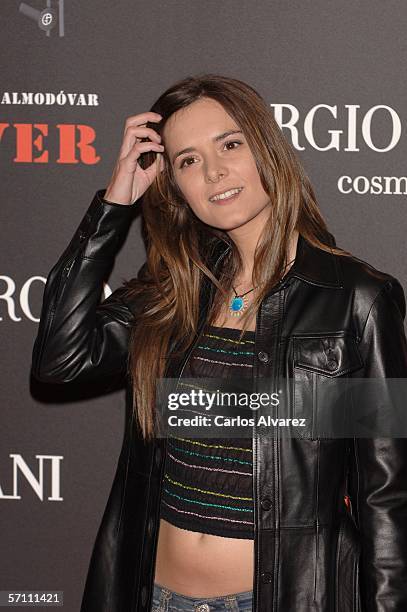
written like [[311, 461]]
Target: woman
[[242, 279]]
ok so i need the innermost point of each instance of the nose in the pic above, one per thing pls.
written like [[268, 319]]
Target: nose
[[215, 170]]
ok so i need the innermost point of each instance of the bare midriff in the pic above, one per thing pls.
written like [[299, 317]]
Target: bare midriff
[[203, 565]]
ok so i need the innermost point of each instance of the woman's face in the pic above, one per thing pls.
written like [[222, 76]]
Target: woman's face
[[215, 163]]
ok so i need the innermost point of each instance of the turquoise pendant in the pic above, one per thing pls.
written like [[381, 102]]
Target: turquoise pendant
[[237, 305]]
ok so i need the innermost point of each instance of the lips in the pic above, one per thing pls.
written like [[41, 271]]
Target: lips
[[235, 190]]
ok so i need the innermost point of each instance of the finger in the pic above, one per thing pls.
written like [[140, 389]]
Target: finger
[[135, 134], [143, 132], [142, 147], [142, 118]]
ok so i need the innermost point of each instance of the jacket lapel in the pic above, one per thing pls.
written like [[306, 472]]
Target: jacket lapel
[[312, 265]]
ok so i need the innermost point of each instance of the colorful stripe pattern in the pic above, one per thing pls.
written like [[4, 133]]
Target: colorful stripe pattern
[[207, 483]]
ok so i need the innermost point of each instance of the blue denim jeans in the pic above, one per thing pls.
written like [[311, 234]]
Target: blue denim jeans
[[165, 600]]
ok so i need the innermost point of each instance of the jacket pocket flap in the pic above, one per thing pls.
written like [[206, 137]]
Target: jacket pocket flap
[[327, 355]]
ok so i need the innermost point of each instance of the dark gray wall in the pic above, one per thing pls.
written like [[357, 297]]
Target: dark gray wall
[[299, 54]]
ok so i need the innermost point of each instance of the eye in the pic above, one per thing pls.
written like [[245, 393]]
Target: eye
[[182, 164], [228, 142], [233, 142]]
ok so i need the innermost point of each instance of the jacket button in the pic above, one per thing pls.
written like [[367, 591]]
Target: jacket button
[[82, 235], [158, 456], [266, 503], [144, 596], [266, 577], [263, 356]]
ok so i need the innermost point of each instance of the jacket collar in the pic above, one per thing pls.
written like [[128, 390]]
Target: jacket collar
[[312, 265], [316, 266]]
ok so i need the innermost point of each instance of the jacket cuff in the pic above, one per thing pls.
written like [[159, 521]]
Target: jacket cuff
[[103, 228], [101, 193]]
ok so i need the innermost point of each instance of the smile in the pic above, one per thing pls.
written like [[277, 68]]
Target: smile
[[227, 195]]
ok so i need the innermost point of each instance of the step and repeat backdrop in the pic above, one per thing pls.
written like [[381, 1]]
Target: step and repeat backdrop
[[334, 76]]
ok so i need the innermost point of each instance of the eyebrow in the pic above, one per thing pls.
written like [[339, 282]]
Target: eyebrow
[[215, 139]]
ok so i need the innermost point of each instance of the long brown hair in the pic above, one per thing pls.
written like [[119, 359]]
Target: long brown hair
[[177, 241]]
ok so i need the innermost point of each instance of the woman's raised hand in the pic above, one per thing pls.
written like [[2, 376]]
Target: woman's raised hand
[[129, 180]]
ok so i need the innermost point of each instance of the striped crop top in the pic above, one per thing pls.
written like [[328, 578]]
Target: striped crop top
[[207, 484]]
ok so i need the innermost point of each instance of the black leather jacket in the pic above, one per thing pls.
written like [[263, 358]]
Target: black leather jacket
[[329, 317]]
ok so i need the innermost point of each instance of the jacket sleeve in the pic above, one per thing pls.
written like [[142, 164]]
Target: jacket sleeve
[[379, 465], [80, 339]]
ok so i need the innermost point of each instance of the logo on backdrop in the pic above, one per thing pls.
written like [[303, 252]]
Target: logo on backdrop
[[44, 478], [47, 18], [346, 139], [15, 302], [324, 128], [355, 128], [73, 142]]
